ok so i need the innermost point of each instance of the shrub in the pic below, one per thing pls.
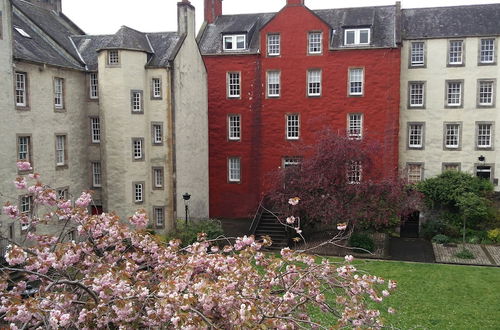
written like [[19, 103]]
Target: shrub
[[464, 254], [441, 239], [188, 234], [494, 235], [362, 241]]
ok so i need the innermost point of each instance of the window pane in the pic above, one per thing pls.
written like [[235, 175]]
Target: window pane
[[486, 93], [356, 81], [234, 127], [454, 93], [350, 37], [315, 42], [292, 127], [416, 94], [273, 83], [452, 136], [455, 54], [364, 36], [487, 51], [234, 169], [314, 82], [417, 53], [234, 84], [273, 44], [415, 135], [355, 126]]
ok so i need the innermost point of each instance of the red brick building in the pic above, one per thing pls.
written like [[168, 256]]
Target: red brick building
[[275, 79]]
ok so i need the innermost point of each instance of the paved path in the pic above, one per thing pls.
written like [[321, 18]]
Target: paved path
[[411, 249], [488, 255]]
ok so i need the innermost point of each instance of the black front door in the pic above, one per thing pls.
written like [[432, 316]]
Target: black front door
[[484, 172]]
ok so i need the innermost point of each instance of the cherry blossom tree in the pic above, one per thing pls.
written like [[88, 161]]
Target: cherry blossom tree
[[116, 275]]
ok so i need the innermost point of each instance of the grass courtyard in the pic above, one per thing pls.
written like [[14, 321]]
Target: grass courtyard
[[435, 296]]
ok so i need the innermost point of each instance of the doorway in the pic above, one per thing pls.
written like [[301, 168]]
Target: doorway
[[410, 225]]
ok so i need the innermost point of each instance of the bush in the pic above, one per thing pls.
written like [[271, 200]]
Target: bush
[[464, 254], [188, 234], [362, 241], [494, 235], [441, 239]]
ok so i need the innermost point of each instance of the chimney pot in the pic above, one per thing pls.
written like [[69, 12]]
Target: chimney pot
[[294, 2], [213, 9]]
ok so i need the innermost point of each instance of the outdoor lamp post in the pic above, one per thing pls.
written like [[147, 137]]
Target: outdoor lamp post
[[186, 198]]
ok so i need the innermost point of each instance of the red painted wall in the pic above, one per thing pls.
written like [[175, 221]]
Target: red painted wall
[[263, 143]]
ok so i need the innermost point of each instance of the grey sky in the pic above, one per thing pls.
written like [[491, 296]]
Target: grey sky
[[106, 16]]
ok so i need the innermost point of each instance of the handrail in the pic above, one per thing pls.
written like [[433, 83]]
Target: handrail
[[256, 218]]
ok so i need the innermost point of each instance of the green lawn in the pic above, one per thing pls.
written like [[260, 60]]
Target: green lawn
[[435, 296]]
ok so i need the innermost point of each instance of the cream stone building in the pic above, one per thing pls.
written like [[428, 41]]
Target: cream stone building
[[449, 106], [123, 115]]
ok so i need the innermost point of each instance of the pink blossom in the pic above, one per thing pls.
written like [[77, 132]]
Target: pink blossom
[[15, 255], [34, 176], [290, 220], [84, 200], [349, 258], [294, 201], [11, 210], [24, 166], [342, 226], [298, 230], [385, 293], [391, 310], [139, 219], [20, 183]]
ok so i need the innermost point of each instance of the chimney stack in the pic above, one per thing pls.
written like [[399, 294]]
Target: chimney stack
[[185, 18], [294, 2], [213, 9]]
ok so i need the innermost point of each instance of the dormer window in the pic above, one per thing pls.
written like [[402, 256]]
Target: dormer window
[[235, 42], [355, 37]]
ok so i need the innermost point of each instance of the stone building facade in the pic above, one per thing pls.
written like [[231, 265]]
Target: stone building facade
[[449, 109], [106, 113]]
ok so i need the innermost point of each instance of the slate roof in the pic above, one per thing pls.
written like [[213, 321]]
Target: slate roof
[[164, 45], [449, 22], [127, 38], [39, 48], [58, 27], [211, 40], [381, 19]]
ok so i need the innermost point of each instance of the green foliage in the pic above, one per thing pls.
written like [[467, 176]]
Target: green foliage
[[464, 254], [494, 235], [441, 239], [445, 190], [188, 234], [440, 225], [362, 241]]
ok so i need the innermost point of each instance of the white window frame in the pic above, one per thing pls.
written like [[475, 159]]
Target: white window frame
[[273, 44], [136, 101], [455, 52], [487, 51], [315, 42], [354, 172], [293, 126], [159, 216], [355, 126], [96, 174], [356, 81], [273, 83], [484, 133], [415, 135], [60, 150], [357, 37], [314, 77], [21, 89], [452, 136], [291, 161], [24, 148], [454, 94], [95, 129], [138, 192], [113, 57], [416, 94], [157, 133], [234, 39], [234, 169], [63, 193], [26, 204], [417, 54], [486, 92], [415, 172], [233, 84], [158, 178], [138, 148], [59, 93], [234, 127], [93, 86], [156, 88]]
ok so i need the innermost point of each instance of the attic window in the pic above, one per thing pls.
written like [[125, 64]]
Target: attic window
[[235, 42], [22, 32], [355, 37]]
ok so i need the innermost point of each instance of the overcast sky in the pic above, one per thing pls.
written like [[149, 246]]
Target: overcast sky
[[106, 16]]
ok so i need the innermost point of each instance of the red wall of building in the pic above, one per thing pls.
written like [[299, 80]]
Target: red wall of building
[[263, 143]]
